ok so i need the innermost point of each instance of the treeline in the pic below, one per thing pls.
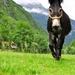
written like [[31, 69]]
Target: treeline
[[21, 36], [70, 48]]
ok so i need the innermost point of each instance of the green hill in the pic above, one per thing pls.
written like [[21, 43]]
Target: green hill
[[10, 8], [12, 63], [18, 26]]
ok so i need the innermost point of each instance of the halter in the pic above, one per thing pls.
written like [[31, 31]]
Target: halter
[[55, 17]]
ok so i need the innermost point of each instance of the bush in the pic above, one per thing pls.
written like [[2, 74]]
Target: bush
[[70, 49]]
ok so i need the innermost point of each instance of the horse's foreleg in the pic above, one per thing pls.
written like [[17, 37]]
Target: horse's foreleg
[[51, 44], [60, 45], [52, 51]]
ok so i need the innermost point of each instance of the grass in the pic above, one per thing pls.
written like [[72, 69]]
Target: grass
[[12, 63]]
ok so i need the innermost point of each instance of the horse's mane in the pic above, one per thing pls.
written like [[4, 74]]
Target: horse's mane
[[52, 1]]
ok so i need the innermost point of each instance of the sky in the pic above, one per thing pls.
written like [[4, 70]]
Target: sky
[[68, 5]]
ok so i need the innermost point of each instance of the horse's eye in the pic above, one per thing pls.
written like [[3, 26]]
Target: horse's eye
[[50, 10], [60, 10]]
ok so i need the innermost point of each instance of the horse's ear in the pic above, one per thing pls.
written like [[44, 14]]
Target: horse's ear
[[60, 1], [52, 1]]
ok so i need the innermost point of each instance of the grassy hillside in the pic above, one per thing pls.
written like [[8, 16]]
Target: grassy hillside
[[12, 63], [10, 8], [18, 26]]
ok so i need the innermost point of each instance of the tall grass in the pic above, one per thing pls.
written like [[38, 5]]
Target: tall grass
[[12, 63]]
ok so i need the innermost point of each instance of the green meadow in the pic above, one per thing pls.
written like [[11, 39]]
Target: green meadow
[[15, 63]]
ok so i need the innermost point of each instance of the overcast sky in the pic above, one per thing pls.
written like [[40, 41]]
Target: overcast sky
[[68, 5]]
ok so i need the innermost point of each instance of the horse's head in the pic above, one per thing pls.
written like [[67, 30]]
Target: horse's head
[[55, 13]]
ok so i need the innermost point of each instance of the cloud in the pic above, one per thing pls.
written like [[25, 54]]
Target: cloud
[[34, 10]]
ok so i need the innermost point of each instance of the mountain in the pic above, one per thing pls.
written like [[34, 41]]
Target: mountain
[[41, 19], [18, 25], [39, 13], [16, 11]]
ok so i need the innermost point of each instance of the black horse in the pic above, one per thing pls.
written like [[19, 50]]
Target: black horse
[[58, 27]]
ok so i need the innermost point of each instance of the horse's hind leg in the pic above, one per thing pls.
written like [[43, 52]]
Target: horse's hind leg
[[61, 45]]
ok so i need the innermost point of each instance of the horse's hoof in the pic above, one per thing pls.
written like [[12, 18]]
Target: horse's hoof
[[54, 55], [58, 58]]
